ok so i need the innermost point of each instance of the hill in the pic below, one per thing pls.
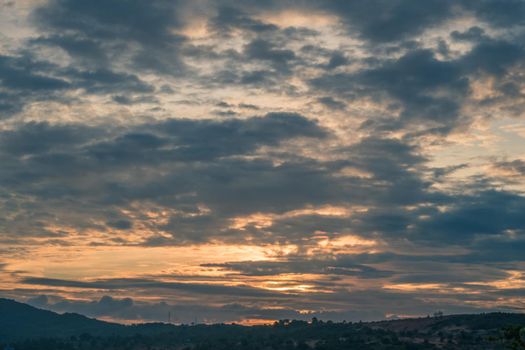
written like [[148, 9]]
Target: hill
[[18, 320], [22, 321], [26, 328]]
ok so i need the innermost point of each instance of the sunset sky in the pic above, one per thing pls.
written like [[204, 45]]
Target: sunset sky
[[247, 161]]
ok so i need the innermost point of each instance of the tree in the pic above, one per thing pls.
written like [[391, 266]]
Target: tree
[[514, 337]]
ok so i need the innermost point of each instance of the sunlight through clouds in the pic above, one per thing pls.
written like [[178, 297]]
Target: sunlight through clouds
[[347, 159]]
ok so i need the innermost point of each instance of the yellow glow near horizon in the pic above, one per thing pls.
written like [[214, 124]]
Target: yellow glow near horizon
[[110, 261], [411, 287]]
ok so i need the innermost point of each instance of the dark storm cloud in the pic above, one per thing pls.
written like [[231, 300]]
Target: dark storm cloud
[[439, 173], [496, 254], [128, 101], [248, 106], [24, 79], [487, 213], [413, 81], [448, 274], [260, 49], [104, 81], [143, 29], [413, 77], [517, 166], [394, 182], [237, 136], [205, 173], [120, 224], [502, 249], [198, 158], [378, 21], [134, 283], [337, 59], [474, 34], [484, 213], [85, 50], [87, 32], [300, 229], [253, 186], [258, 78], [228, 18], [500, 13], [396, 169], [21, 73], [493, 57], [202, 140], [385, 21], [135, 20], [299, 266], [331, 103], [424, 90], [416, 80], [41, 138]]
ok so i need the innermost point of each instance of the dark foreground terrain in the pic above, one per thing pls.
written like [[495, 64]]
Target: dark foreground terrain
[[23, 327]]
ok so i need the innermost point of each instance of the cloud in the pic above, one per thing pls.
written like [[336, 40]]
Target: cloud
[[120, 224], [26, 79], [298, 266], [201, 152], [398, 20], [129, 309], [263, 50], [337, 59], [40, 138], [421, 90], [17, 75], [516, 166], [504, 14], [87, 51], [486, 213], [413, 81], [23, 80], [104, 81], [194, 288], [228, 18], [110, 27], [131, 124], [474, 34], [493, 57], [331, 103]]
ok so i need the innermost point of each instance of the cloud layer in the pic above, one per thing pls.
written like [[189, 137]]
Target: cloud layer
[[248, 162]]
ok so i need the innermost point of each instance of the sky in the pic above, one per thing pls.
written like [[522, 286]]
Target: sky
[[247, 161]]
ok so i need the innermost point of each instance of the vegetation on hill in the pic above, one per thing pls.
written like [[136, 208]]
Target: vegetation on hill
[[28, 328]]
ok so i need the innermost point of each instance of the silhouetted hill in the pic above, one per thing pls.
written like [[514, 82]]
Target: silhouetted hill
[[18, 320], [469, 322], [30, 328]]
